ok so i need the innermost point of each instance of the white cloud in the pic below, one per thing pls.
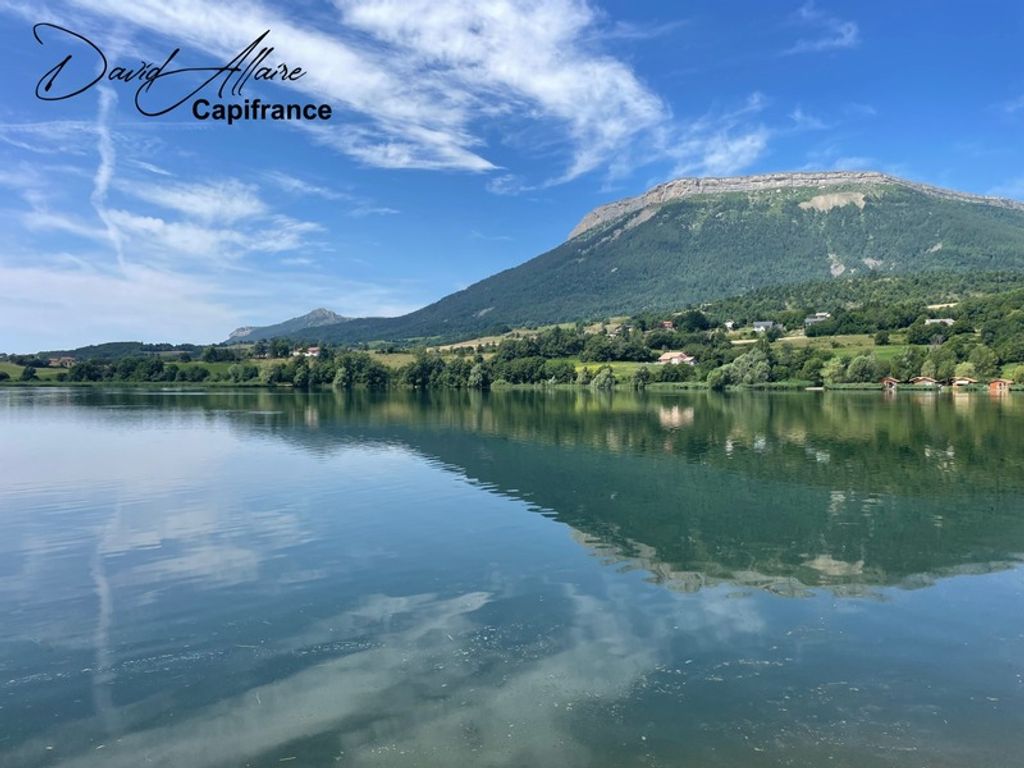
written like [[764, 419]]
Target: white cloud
[[857, 109], [368, 209], [105, 306], [181, 241], [105, 169], [805, 121], [508, 184], [1013, 188], [414, 83], [637, 31], [53, 137], [720, 144], [525, 54], [855, 163], [45, 220], [151, 168], [724, 155], [832, 33], [360, 207], [475, 235], [297, 186], [1013, 105], [226, 200]]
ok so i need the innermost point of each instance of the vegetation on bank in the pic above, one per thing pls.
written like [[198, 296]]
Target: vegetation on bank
[[892, 331]]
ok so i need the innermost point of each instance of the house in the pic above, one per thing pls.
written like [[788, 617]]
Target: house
[[963, 381], [61, 362], [999, 386], [817, 317], [676, 358], [667, 324], [313, 352], [730, 324], [939, 321], [763, 325], [889, 384], [923, 381]]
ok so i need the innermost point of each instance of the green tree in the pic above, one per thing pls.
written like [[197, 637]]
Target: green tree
[[605, 378], [985, 361], [907, 364], [274, 374], [301, 376], [642, 377], [478, 378], [28, 373], [863, 369], [966, 370], [833, 371], [751, 368], [720, 377], [811, 370]]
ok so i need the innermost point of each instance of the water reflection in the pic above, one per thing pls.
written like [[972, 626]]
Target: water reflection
[[509, 579]]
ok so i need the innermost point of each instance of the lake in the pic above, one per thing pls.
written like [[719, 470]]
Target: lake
[[250, 578]]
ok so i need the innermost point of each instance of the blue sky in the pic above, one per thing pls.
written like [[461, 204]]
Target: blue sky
[[467, 137]]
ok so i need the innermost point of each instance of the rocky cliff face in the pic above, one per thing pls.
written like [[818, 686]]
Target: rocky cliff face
[[317, 318], [242, 332], [688, 187]]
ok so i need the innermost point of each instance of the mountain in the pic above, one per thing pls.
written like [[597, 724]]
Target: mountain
[[698, 239], [297, 327]]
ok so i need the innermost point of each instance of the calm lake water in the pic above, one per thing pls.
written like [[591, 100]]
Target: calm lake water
[[512, 579]]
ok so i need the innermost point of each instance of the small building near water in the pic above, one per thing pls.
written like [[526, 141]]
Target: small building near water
[[676, 358], [999, 386], [889, 384], [963, 381], [923, 381]]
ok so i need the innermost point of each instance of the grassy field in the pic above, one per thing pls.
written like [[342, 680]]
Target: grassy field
[[621, 369], [14, 371], [850, 344], [514, 333]]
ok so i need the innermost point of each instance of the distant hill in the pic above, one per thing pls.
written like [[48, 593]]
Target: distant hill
[[297, 327], [116, 350], [695, 240]]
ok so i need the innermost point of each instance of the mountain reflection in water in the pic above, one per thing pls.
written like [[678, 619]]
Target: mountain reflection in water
[[510, 578]]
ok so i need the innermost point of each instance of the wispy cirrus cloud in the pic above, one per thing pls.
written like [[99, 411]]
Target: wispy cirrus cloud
[[805, 121], [224, 200], [1013, 106], [294, 185], [508, 56], [1012, 188], [830, 32], [720, 143], [53, 137], [418, 84], [359, 206]]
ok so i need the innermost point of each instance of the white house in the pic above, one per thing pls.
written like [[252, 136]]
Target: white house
[[676, 358]]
